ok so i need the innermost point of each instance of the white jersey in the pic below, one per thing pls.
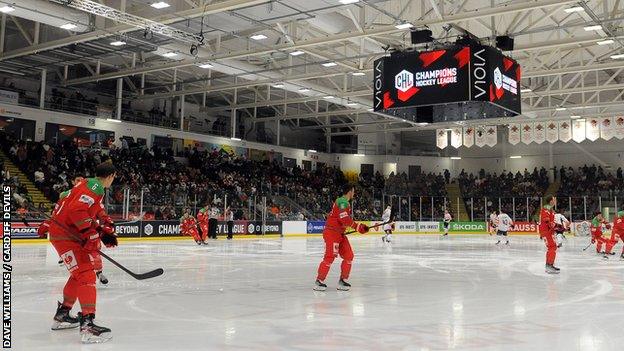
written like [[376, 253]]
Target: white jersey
[[561, 220], [447, 218], [493, 219], [385, 217], [504, 222]]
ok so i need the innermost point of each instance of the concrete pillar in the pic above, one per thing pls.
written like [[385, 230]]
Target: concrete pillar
[[182, 112], [119, 97]]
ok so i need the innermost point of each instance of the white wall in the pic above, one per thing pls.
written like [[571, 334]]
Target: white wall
[[349, 162]]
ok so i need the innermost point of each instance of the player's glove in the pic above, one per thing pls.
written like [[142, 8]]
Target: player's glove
[[106, 220], [43, 229], [608, 225], [392, 226], [593, 241], [362, 228], [108, 236]]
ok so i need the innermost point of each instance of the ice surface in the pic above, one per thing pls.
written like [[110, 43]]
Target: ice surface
[[418, 293]]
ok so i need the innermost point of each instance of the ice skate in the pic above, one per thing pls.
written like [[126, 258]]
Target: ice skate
[[319, 286], [102, 277], [498, 242], [344, 286], [90, 333], [63, 320], [551, 269], [383, 238], [507, 242]]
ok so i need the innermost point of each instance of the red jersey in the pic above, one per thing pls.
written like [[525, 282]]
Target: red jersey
[[78, 211], [618, 223], [547, 221], [202, 216], [339, 218], [187, 223]]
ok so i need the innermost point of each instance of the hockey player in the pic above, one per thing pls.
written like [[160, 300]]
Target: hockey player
[[76, 234], [336, 242], [202, 218], [188, 226], [493, 222], [213, 221], [596, 232], [547, 232], [389, 227], [561, 226], [504, 224], [228, 216], [617, 232], [447, 222]]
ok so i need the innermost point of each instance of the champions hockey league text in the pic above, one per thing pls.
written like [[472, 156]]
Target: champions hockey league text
[[6, 267]]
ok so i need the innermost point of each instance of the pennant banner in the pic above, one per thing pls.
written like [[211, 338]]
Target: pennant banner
[[456, 137], [565, 131], [514, 133], [592, 131], [469, 136], [619, 127], [539, 132], [578, 130], [480, 136], [441, 138], [607, 128], [527, 133], [552, 132], [491, 136]]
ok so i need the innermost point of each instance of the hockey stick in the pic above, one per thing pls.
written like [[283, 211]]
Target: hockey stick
[[587, 247], [138, 219], [374, 226], [138, 276]]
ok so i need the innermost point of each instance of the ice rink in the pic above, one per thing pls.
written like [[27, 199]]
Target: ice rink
[[418, 293]]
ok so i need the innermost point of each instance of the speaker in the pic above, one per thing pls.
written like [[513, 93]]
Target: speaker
[[505, 43], [421, 36]]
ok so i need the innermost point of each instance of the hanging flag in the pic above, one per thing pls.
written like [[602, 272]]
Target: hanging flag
[[480, 136], [592, 129], [539, 132], [552, 132], [578, 130], [456, 137], [491, 136], [514, 133], [619, 127], [565, 131], [527, 133], [441, 138], [469, 136], [607, 128]]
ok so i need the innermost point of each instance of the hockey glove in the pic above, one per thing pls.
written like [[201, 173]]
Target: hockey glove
[[43, 229], [362, 228], [108, 236]]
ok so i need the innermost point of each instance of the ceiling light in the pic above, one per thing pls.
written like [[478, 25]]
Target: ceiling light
[[113, 120], [455, 158], [370, 110], [590, 28], [574, 9], [297, 53], [515, 156], [304, 90], [68, 26], [560, 109], [170, 54], [205, 65], [526, 90], [351, 103], [422, 124], [575, 117], [405, 25], [359, 155], [605, 42], [329, 64], [118, 43], [258, 37], [328, 97], [617, 57], [345, 2], [235, 139], [312, 151], [7, 9], [160, 5], [278, 85], [358, 74]]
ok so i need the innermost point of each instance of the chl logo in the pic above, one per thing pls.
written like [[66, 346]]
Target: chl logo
[[404, 81], [148, 230], [498, 78]]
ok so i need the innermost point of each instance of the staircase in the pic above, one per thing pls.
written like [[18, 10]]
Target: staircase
[[36, 195], [453, 193], [285, 200]]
